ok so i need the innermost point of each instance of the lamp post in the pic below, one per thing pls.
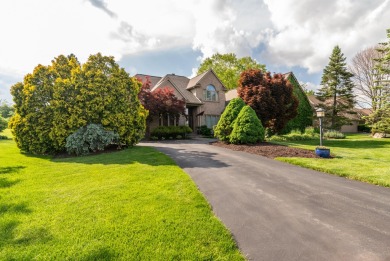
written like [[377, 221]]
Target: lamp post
[[320, 114]]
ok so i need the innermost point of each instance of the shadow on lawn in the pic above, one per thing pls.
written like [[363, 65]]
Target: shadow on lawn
[[11, 170], [192, 159], [6, 183], [8, 229], [9, 236], [358, 144], [352, 144], [137, 154]]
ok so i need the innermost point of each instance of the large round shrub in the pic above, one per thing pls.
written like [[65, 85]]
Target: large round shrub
[[56, 100], [247, 127], [225, 123], [90, 138]]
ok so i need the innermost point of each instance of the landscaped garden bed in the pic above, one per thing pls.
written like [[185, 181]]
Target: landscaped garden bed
[[269, 150]]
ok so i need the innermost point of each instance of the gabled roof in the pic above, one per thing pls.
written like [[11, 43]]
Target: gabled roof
[[194, 82], [178, 82], [153, 79]]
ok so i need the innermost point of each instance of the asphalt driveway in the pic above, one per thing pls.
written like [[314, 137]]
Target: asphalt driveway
[[278, 211]]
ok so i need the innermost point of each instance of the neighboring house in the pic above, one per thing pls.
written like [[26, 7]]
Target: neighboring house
[[355, 117], [204, 96]]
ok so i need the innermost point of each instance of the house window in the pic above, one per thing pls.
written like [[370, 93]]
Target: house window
[[211, 94], [167, 119], [211, 120]]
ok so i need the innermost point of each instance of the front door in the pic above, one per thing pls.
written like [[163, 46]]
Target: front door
[[191, 118]]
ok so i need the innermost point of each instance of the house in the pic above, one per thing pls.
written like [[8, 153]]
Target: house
[[355, 116], [204, 97]]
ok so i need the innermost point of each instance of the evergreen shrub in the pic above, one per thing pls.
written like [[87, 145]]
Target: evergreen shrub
[[90, 138], [247, 127]]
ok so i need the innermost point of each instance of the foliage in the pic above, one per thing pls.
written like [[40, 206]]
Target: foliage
[[333, 134], [336, 91], [310, 133], [6, 110], [3, 137], [366, 78], [124, 205], [205, 131], [304, 116], [364, 128], [247, 127], [90, 138], [171, 132], [160, 103], [358, 157], [3, 124], [380, 118], [228, 67], [271, 96], [225, 124], [56, 100]]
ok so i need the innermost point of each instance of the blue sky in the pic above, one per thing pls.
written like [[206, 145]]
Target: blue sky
[[172, 36]]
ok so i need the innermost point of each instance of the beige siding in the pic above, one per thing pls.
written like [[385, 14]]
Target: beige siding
[[211, 107], [350, 128]]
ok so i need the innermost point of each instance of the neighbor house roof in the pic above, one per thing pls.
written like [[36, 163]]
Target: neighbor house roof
[[355, 114]]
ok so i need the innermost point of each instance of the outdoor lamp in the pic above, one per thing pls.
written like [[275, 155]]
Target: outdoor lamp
[[320, 114]]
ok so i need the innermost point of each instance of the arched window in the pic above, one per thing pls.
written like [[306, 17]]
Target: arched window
[[211, 94]]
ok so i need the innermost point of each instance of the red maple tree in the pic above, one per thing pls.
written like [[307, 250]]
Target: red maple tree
[[270, 96], [160, 103]]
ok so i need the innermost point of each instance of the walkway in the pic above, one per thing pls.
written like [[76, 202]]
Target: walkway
[[278, 211]]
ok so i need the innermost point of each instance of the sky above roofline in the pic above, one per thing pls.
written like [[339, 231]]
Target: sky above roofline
[[161, 37]]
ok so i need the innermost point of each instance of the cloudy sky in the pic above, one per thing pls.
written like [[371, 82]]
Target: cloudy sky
[[173, 36]]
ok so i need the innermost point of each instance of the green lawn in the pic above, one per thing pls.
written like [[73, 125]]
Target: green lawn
[[358, 157], [134, 204]]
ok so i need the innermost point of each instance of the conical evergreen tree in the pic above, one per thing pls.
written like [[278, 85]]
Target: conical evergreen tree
[[247, 127], [380, 118], [337, 90], [226, 122]]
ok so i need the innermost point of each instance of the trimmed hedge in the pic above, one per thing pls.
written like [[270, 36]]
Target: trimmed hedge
[[170, 132]]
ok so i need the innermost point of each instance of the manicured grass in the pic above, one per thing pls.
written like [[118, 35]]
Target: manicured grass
[[134, 204], [358, 157]]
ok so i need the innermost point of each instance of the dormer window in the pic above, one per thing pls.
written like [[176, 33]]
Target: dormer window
[[211, 94]]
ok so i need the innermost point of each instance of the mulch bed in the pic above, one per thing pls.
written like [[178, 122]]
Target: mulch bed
[[269, 150]]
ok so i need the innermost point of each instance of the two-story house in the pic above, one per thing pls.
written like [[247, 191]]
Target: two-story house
[[203, 94]]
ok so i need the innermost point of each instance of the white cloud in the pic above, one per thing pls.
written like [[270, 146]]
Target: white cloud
[[306, 31], [289, 33]]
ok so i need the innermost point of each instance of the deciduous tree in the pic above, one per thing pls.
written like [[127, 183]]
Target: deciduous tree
[[336, 90], [228, 67], [160, 103], [365, 78], [6, 109], [270, 96]]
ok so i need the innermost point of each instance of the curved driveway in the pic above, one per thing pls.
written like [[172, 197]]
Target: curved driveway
[[278, 211]]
